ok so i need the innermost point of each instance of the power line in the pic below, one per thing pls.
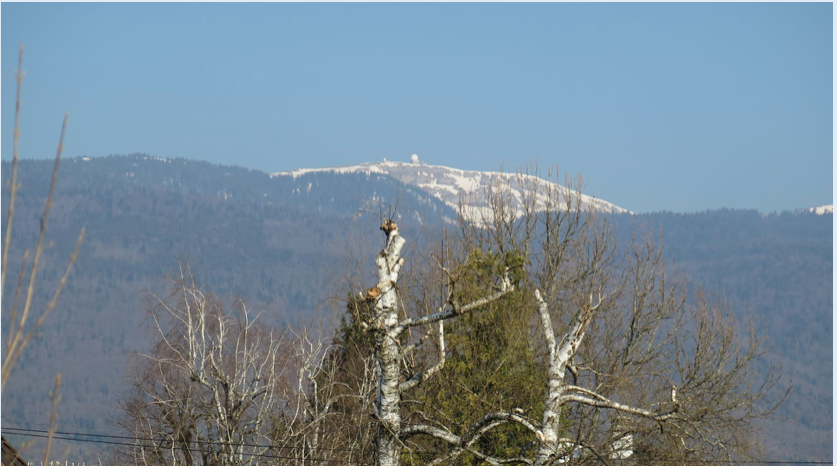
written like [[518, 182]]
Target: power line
[[21, 431], [137, 441]]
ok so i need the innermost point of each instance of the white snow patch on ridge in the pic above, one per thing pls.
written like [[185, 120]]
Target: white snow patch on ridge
[[452, 184], [822, 209], [364, 168]]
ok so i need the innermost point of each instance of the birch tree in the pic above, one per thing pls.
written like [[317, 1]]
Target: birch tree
[[632, 365], [219, 388], [388, 326]]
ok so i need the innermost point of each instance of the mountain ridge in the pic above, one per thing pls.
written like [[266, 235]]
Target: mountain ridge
[[369, 168], [464, 189]]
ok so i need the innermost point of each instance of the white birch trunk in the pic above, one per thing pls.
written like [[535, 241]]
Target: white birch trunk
[[550, 445], [387, 352], [560, 354]]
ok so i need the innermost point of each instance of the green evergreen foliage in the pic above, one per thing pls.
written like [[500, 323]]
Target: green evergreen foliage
[[352, 346], [348, 366], [491, 365]]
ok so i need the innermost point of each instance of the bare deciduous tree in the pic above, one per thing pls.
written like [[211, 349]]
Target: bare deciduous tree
[[632, 365], [220, 389]]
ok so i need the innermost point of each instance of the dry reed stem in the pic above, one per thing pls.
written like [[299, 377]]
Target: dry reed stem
[[13, 188], [19, 336], [55, 396]]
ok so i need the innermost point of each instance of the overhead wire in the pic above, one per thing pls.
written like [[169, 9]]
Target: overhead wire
[[137, 441], [209, 442]]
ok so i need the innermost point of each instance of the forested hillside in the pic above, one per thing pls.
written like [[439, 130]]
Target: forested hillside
[[777, 270], [274, 242], [284, 244]]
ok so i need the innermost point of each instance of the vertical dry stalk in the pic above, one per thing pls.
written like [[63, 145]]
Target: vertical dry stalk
[[55, 397], [13, 192], [19, 335]]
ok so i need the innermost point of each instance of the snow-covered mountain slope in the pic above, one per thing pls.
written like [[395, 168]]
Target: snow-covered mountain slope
[[822, 209], [451, 185]]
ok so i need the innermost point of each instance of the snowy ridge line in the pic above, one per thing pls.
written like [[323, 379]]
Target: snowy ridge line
[[447, 183], [363, 168]]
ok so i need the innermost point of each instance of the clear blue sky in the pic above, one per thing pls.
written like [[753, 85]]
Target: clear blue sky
[[679, 107]]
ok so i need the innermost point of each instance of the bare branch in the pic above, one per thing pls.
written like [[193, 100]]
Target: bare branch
[[453, 311], [420, 377], [594, 399]]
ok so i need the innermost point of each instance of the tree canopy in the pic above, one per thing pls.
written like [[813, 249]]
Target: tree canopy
[[527, 337]]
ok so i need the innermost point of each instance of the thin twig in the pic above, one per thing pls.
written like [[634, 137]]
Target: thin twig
[[13, 187], [20, 338], [55, 396]]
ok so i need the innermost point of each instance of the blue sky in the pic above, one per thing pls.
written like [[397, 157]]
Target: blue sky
[[680, 107]]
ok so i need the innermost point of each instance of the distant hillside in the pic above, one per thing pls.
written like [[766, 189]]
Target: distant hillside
[[242, 233], [286, 243], [778, 270]]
